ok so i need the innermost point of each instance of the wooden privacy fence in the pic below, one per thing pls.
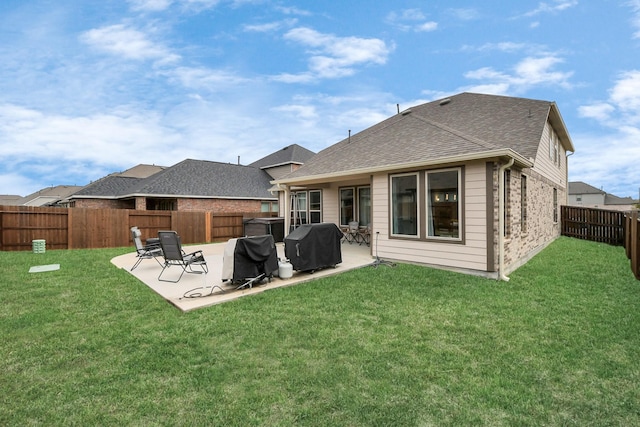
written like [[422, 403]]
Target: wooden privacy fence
[[597, 225], [632, 242], [79, 228], [613, 227]]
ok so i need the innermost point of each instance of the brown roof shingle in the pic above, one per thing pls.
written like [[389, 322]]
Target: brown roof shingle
[[464, 124]]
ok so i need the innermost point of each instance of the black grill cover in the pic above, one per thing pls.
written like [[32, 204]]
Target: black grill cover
[[314, 246], [254, 256]]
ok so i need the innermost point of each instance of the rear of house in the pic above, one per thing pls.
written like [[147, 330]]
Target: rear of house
[[471, 182]]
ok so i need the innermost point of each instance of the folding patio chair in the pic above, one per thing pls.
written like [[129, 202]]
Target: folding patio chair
[[353, 233], [174, 255], [147, 251]]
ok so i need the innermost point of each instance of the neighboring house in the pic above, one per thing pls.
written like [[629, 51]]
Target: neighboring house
[[284, 161], [9, 199], [50, 196], [188, 185], [585, 195], [471, 182]]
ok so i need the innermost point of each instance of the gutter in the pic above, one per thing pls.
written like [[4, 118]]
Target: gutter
[[339, 175], [501, 210]]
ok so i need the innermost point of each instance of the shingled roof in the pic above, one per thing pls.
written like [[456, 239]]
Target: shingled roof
[[293, 153], [467, 124], [189, 178], [201, 178]]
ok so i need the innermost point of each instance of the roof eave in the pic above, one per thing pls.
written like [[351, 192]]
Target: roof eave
[[520, 161], [556, 118]]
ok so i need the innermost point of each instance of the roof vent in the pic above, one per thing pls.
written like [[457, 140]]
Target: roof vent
[[445, 101], [407, 111]]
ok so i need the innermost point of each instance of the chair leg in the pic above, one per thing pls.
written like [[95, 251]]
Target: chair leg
[[166, 266], [138, 261]]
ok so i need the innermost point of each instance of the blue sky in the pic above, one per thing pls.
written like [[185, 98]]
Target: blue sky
[[88, 88]]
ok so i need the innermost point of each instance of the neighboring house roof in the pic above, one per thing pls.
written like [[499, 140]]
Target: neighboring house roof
[[462, 127], [142, 171], [610, 199], [9, 199], [188, 179], [579, 187], [110, 186], [49, 195], [293, 153]]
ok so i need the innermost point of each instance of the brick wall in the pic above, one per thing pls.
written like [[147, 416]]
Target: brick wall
[[102, 204], [541, 228], [219, 205]]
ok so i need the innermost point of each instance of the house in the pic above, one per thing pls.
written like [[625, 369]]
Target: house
[[188, 185], [49, 196], [585, 195], [284, 161], [470, 182]]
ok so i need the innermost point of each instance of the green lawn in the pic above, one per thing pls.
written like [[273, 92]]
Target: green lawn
[[557, 345]]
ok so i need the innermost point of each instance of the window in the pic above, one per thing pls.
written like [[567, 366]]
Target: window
[[443, 189], [555, 205], [404, 205], [315, 206], [364, 206], [346, 206], [523, 203], [299, 208], [269, 207]]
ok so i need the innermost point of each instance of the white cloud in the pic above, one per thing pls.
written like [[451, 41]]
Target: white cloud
[[205, 78], [270, 26], [427, 26], [302, 112], [150, 5], [530, 72], [127, 42], [411, 20], [600, 111], [597, 155], [626, 93], [557, 6], [503, 47], [622, 108], [635, 17], [332, 56], [292, 10], [462, 14]]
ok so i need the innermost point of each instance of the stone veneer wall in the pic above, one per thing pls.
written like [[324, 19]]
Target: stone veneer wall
[[541, 229]]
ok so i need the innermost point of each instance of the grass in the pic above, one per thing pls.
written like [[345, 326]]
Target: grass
[[557, 345]]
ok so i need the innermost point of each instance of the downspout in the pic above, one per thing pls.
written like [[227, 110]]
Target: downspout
[[501, 210]]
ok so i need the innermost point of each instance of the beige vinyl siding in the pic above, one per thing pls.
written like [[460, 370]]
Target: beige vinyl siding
[[545, 166], [471, 254], [279, 171]]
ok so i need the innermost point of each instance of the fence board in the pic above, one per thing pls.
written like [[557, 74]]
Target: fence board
[[80, 228], [633, 243], [593, 224]]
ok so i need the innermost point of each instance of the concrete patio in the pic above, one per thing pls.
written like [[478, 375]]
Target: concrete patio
[[202, 290]]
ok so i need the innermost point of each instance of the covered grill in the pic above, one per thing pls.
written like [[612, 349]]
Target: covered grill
[[249, 260], [314, 246]]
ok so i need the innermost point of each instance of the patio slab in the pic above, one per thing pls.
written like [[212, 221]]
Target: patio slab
[[202, 290]]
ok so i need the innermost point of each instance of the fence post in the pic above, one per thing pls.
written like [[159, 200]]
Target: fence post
[[69, 228], [635, 250]]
